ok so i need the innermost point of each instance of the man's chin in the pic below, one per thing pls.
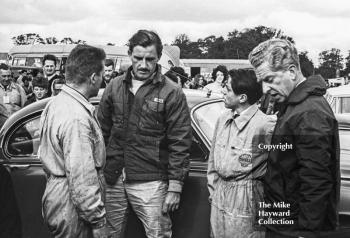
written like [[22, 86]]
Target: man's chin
[[228, 106], [142, 76]]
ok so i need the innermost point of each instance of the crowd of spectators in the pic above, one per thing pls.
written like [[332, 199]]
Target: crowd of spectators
[[215, 83], [23, 87], [19, 88]]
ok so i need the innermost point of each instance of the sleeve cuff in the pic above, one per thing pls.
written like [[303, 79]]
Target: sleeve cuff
[[99, 223], [175, 186]]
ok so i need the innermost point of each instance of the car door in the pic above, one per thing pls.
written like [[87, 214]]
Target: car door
[[193, 217], [19, 154], [344, 207]]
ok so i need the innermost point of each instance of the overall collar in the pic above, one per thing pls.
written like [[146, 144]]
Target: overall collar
[[242, 120], [79, 97]]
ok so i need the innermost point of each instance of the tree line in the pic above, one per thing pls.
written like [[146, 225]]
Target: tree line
[[237, 45], [34, 38]]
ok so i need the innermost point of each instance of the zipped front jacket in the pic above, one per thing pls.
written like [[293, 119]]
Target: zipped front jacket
[[306, 176], [149, 133]]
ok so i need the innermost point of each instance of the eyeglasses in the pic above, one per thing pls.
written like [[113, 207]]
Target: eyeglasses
[[6, 76]]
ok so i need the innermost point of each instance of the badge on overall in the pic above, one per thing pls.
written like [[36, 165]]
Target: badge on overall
[[245, 159]]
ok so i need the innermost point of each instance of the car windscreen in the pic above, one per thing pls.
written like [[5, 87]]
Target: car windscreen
[[206, 116]]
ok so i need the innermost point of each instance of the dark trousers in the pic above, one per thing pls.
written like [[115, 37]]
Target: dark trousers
[[10, 220]]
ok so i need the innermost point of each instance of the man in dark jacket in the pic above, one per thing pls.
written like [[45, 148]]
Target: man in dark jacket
[[303, 179], [147, 130]]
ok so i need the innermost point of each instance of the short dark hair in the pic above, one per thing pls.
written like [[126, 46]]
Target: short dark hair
[[145, 38], [243, 81], [50, 57], [171, 76], [41, 82], [25, 78], [36, 71], [222, 69], [4, 66], [180, 72], [82, 62], [109, 62]]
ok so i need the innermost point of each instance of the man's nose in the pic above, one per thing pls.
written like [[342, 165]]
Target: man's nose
[[265, 87], [143, 63], [224, 91]]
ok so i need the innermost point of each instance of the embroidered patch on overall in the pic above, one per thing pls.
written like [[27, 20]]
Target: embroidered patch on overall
[[245, 159]]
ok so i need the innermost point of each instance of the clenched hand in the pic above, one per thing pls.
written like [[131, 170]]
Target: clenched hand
[[171, 202]]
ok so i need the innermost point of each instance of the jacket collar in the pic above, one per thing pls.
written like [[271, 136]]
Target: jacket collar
[[51, 77], [79, 97], [156, 77], [245, 117], [314, 85]]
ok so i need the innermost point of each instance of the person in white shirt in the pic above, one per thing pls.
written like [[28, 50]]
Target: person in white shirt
[[220, 76]]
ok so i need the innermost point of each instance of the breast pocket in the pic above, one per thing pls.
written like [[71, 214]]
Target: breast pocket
[[155, 106], [152, 117]]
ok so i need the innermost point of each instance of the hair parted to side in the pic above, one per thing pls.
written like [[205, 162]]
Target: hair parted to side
[[50, 57], [278, 53], [145, 38], [243, 81], [82, 62]]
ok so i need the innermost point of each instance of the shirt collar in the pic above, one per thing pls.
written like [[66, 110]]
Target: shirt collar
[[79, 97], [11, 85], [244, 117]]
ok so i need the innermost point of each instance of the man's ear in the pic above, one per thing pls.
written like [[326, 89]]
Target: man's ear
[[92, 78], [243, 98], [292, 69]]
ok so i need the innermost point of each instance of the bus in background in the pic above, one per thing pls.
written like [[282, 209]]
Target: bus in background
[[30, 56]]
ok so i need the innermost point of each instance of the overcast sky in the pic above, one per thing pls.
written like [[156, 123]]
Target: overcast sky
[[315, 25]]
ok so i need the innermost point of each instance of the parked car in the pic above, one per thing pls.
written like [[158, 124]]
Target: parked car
[[19, 141], [339, 98]]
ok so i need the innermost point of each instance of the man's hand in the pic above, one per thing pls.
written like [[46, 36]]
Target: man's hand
[[171, 202], [102, 232]]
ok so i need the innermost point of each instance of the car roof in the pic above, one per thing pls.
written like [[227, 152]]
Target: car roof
[[339, 91], [343, 120], [194, 97]]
